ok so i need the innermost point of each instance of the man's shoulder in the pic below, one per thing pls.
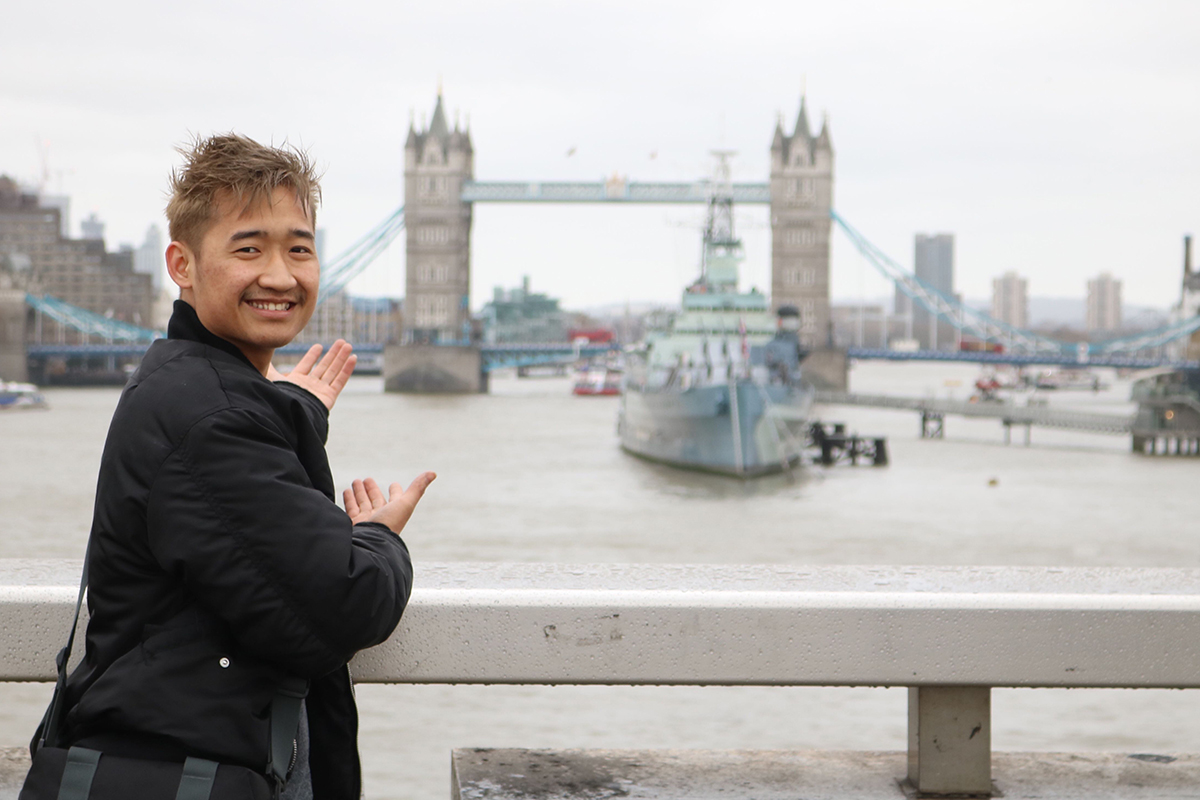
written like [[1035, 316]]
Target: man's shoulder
[[181, 382]]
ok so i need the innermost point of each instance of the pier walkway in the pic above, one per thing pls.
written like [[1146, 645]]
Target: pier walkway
[[1009, 413], [947, 633]]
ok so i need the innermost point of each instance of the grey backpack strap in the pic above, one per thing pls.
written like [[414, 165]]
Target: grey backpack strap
[[197, 780], [78, 773]]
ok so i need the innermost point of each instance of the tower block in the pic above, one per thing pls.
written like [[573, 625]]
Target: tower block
[[437, 160], [801, 198]]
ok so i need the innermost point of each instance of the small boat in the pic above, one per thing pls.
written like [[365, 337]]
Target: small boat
[[593, 380], [21, 395]]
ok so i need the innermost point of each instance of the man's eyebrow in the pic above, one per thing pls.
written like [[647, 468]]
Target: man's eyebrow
[[300, 233]]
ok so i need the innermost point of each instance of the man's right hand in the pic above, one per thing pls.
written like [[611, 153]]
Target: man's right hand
[[365, 501]]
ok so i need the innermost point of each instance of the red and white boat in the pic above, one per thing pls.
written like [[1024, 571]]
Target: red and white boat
[[597, 379]]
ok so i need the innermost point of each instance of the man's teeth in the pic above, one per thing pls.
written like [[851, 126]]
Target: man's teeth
[[265, 306]]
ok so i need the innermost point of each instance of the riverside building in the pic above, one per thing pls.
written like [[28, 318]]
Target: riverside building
[[1010, 299], [40, 260]]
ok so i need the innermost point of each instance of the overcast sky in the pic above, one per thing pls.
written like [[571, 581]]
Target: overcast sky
[[1056, 139]]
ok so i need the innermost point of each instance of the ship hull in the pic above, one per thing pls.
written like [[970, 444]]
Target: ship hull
[[761, 431]]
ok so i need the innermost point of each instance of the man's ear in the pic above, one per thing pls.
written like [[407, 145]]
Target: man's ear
[[181, 264]]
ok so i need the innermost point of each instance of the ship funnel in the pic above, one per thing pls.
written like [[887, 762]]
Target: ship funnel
[[789, 318]]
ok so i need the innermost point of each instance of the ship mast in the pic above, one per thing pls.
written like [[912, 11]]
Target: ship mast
[[722, 249]]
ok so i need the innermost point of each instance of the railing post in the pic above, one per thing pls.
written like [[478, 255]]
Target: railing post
[[950, 740]]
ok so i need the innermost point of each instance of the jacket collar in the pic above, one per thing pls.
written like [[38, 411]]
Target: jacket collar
[[185, 324]]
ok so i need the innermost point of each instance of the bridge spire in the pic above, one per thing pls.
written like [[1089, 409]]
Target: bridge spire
[[778, 142], [802, 126], [437, 126], [824, 142]]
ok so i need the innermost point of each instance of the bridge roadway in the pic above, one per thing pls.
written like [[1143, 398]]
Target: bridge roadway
[[518, 355], [948, 633], [494, 356], [1007, 412]]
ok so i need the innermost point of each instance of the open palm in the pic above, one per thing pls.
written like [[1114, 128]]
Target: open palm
[[325, 378]]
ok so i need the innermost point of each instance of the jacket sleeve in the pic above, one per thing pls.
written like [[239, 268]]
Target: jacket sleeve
[[233, 514], [314, 409]]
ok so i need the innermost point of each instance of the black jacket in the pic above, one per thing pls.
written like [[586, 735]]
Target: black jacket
[[221, 567]]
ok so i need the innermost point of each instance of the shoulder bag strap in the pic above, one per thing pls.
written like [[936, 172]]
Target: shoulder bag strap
[[53, 718]]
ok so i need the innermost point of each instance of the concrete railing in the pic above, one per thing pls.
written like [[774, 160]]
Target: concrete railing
[[948, 633]]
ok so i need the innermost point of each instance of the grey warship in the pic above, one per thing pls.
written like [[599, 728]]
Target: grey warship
[[717, 387]]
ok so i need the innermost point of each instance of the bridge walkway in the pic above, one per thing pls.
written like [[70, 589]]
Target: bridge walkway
[[1007, 412]]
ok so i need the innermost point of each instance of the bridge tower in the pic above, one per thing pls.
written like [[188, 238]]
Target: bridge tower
[[438, 282], [801, 198]]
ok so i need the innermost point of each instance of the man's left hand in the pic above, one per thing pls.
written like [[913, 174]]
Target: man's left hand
[[325, 378]]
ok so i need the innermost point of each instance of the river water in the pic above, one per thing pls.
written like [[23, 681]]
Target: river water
[[530, 473]]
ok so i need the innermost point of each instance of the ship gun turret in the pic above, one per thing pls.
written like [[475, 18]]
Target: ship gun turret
[[782, 355]]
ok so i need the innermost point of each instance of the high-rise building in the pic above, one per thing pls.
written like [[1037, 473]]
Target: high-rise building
[[78, 271], [91, 228], [801, 197], [150, 258], [1010, 299], [63, 203], [933, 264], [1103, 304], [437, 160]]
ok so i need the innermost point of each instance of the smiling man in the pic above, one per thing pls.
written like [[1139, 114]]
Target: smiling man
[[228, 591]]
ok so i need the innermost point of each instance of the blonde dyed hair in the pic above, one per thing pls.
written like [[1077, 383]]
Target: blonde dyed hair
[[232, 165]]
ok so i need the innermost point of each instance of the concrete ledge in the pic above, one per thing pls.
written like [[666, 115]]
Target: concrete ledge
[[753, 625], [786, 775]]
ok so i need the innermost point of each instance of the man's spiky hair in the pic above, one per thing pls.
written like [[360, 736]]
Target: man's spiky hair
[[232, 165]]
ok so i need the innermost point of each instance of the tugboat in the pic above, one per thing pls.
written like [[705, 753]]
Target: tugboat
[[718, 387]]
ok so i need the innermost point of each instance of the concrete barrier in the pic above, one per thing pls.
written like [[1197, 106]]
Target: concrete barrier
[[948, 633]]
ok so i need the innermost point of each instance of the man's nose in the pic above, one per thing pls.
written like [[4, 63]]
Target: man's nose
[[276, 274]]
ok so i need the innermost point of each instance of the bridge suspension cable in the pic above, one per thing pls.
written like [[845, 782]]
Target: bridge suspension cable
[[1148, 339], [350, 264], [962, 316], [89, 322]]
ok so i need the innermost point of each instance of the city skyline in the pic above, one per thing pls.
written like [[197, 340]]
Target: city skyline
[[1039, 149]]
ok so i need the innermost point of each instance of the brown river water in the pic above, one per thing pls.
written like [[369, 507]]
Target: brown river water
[[530, 473]]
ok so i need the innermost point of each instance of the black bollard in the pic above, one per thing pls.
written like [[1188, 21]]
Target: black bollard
[[881, 453]]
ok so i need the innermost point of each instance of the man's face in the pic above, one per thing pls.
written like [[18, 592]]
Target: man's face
[[255, 278]]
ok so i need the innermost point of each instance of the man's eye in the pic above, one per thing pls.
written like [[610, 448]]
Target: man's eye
[[247, 249], [301, 249]]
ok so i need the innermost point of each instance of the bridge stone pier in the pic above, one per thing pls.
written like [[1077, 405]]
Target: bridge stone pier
[[13, 312]]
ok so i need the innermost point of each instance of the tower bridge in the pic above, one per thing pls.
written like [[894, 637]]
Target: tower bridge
[[440, 190]]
